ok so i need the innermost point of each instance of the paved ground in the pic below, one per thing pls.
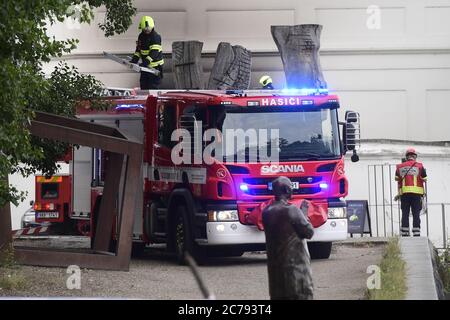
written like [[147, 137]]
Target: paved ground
[[156, 276]]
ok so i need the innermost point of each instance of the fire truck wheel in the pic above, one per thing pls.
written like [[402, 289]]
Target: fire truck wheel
[[137, 250], [84, 227], [183, 239], [319, 250]]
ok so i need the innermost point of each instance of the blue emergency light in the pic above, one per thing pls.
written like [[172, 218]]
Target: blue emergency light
[[129, 106]]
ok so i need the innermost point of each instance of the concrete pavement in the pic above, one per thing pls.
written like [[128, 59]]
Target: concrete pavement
[[420, 280]]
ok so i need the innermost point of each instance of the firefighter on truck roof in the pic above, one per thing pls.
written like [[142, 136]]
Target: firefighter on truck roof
[[149, 50], [411, 176], [266, 82]]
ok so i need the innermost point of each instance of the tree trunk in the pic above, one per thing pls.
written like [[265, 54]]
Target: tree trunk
[[5, 224], [187, 67], [232, 68], [299, 48]]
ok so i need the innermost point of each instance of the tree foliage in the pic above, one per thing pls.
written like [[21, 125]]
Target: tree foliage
[[24, 46]]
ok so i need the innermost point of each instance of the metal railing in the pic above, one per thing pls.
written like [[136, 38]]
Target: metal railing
[[385, 213], [386, 222]]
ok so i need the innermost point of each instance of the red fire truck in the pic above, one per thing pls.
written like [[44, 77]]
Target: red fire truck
[[203, 206], [53, 203]]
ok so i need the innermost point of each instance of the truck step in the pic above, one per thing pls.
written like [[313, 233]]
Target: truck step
[[160, 234]]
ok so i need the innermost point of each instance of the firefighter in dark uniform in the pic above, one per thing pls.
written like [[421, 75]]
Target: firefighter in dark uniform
[[149, 49], [288, 261], [411, 176]]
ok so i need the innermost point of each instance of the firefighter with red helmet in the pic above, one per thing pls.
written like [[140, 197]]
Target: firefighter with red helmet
[[411, 176], [149, 49]]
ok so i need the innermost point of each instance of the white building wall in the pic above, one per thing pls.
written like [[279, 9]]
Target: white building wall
[[397, 76], [404, 24]]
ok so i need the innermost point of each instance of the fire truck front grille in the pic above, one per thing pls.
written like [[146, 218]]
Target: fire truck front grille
[[260, 186], [266, 181], [267, 192]]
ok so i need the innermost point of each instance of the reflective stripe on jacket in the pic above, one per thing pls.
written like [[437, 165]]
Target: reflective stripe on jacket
[[411, 176], [149, 49]]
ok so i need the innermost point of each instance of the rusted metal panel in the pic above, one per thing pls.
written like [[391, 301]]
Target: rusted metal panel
[[75, 124], [121, 147], [133, 174], [5, 225], [52, 258], [108, 207], [84, 138]]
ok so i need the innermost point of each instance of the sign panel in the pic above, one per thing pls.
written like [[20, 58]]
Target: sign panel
[[358, 217]]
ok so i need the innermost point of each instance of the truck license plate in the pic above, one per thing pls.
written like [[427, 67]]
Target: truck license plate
[[295, 185], [48, 215]]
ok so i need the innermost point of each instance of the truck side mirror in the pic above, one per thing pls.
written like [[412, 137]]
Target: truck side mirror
[[352, 134], [352, 116]]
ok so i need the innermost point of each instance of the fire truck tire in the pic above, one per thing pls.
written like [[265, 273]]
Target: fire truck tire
[[137, 250], [83, 227], [183, 239], [319, 250], [224, 252]]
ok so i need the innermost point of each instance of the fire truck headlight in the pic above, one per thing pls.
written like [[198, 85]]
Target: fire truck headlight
[[323, 186], [225, 215], [337, 213], [243, 187]]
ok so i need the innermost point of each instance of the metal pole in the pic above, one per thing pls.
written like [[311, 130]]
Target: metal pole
[[390, 197], [383, 197], [426, 210], [376, 196], [399, 210], [203, 288], [444, 237], [368, 179]]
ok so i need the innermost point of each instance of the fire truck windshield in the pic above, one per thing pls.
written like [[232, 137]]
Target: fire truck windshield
[[306, 134], [49, 191]]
